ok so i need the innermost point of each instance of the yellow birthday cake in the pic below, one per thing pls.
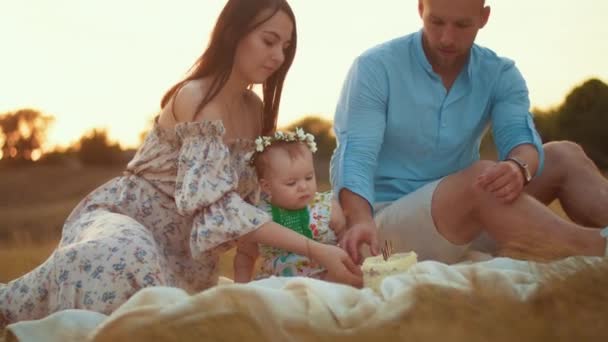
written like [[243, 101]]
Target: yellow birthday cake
[[375, 268]]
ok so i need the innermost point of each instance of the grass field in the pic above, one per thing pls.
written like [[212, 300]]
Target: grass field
[[35, 202]]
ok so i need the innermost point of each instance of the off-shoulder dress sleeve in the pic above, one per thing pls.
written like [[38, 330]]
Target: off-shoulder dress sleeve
[[206, 189]]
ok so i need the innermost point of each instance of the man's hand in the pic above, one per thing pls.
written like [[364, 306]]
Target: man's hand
[[358, 234], [504, 180], [337, 220]]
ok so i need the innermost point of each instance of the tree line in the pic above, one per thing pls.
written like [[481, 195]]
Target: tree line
[[23, 134], [582, 118]]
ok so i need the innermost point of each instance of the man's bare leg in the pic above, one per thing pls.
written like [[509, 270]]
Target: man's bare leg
[[461, 211], [570, 176]]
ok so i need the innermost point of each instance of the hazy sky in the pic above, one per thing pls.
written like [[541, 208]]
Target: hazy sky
[[106, 63]]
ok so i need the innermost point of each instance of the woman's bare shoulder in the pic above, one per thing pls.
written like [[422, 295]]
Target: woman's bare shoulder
[[188, 98], [185, 102]]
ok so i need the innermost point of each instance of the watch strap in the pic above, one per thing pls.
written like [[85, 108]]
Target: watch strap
[[523, 167]]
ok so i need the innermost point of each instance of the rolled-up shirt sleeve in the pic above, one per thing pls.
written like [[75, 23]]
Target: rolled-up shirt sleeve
[[359, 124], [512, 123]]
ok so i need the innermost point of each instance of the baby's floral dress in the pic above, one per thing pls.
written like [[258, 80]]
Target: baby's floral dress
[[182, 201], [282, 263]]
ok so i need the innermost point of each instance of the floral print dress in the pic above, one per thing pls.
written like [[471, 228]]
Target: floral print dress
[[281, 263], [183, 200]]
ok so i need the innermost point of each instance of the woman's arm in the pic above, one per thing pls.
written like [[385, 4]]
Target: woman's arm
[[338, 264]]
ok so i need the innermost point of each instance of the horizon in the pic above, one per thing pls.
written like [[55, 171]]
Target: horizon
[[105, 65]]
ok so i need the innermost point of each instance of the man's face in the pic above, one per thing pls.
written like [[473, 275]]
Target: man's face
[[450, 28]]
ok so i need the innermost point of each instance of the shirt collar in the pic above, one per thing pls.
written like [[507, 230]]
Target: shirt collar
[[420, 55]]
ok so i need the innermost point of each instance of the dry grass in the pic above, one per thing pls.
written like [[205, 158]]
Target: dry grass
[[571, 308], [34, 204], [21, 257], [571, 304], [35, 201]]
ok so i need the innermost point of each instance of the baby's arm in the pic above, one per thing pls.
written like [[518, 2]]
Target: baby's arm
[[337, 220], [244, 261]]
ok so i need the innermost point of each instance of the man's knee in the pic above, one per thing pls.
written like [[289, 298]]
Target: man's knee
[[459, 191], [563, 153], [475, 170]]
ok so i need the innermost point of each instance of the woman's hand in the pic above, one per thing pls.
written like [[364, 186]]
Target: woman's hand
[[340, 267]]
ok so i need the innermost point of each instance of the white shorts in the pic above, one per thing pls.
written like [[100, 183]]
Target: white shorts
[[408, 224]]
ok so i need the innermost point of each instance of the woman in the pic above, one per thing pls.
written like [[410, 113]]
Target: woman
[[185, 197]]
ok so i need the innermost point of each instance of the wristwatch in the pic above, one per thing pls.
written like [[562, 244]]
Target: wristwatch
[[523, 167]]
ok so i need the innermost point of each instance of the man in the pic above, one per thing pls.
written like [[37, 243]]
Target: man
[[409, 124]]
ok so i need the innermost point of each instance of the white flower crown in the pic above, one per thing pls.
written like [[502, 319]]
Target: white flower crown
[[262, 142]]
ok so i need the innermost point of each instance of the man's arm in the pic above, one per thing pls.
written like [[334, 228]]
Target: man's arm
[[362, 228], [506, 179], [519, 144], [528, 154], [337, 220], [512, 124], [359, 123]]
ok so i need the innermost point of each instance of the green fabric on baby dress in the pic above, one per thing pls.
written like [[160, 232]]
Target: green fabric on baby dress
[[296, 220], [279, 262]]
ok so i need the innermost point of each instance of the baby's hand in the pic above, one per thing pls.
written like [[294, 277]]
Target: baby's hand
[[244, 260]]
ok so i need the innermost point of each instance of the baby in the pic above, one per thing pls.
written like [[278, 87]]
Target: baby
[[285, 169]]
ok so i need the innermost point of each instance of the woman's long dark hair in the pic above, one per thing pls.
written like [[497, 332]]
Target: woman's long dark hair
[[234, 23]]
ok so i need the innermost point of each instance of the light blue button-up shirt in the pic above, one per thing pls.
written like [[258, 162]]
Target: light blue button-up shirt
[[398, 128]]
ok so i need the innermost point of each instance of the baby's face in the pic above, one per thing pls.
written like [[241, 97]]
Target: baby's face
[[291, 183]]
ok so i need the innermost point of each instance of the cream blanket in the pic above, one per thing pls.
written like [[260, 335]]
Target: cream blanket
[[280, 309]]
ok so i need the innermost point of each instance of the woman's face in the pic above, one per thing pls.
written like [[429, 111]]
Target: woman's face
[[261, 52]]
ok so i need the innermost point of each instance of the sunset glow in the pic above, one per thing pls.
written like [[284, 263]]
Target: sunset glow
[[106, 64]]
